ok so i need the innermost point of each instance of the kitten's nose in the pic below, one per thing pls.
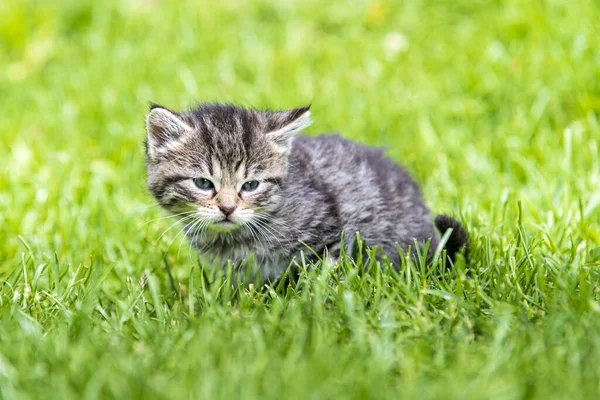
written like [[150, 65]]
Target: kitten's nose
[[227, 209]]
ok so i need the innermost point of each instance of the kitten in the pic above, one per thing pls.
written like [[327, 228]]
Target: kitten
[[243, 182]]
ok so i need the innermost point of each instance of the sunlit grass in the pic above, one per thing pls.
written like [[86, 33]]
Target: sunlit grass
[[493, 107]]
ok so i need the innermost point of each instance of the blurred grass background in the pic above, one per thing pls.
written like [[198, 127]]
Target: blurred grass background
[[493, 106]]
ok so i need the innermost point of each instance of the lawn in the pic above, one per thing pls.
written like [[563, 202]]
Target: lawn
[[493, 106]]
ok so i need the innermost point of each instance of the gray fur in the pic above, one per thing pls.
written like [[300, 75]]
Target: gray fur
[[311, 190]]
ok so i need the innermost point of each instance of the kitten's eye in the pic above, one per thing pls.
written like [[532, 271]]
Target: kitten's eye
[[203, 183], [250, 186]]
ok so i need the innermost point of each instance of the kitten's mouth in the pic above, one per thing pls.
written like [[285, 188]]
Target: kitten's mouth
[[225, 225]]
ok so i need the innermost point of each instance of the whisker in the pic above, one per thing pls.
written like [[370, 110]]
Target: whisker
[[181, 230], [267, 231], [191, 229], [200, 230], [166, 217], [270, 232], [195, 236], [272, 220], [277, 234], [173, 224], [254, 233]]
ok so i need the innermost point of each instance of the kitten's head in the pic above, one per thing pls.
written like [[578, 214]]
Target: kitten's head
[[222, 164]]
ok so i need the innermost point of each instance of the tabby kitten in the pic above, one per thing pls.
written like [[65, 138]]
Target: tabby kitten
[[242, 182]]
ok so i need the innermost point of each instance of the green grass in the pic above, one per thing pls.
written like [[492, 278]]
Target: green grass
[[493, 106]]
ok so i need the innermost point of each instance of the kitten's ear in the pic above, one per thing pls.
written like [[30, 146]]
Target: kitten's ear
[[164, 129], [289, 124]]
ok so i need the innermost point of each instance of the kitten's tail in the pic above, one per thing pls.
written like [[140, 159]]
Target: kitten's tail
[[458, 239]]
